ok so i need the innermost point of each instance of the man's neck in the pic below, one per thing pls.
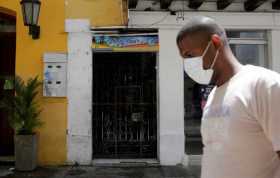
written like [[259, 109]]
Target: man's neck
[[231, 67]]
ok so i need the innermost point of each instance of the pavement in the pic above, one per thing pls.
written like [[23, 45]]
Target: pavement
[[104, 172]]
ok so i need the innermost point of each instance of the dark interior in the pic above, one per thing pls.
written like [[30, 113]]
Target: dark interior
[[7, 69], [124, 105]]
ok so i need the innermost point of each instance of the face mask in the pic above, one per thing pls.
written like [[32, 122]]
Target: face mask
[[194, 68]]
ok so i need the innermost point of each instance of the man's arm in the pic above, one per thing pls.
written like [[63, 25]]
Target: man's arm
[[278, 152]]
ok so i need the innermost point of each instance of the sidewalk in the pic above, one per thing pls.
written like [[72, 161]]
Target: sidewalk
[[105, 172]]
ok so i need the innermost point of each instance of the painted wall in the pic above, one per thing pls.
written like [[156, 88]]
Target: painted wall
[[99, 12], [29, 52], [53, 147]]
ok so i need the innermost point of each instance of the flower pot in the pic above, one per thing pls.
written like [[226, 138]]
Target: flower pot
[[25, 152]]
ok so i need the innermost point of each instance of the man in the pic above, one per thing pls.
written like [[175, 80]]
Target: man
[[241, 119]]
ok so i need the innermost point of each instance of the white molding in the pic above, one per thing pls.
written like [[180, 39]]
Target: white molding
[[212, 6], [180, 5], [229, 20]]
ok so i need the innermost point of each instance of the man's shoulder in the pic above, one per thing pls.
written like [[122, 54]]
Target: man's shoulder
[[261, 76]]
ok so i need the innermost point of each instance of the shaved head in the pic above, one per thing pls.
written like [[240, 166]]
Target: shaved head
[[204, 40], [202, 28]]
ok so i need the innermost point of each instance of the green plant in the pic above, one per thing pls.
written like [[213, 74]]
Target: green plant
[[22, 107]]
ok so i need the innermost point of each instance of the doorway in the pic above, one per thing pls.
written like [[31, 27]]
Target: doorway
[[7, 69], [124, 105]]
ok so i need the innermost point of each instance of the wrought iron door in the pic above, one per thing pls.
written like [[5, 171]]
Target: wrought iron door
[[124, 103]]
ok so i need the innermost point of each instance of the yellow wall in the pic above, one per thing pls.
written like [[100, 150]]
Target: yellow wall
[[52, 136], [100, 12]]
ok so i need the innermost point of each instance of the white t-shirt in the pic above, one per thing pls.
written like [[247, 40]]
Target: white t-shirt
[[241, 126]]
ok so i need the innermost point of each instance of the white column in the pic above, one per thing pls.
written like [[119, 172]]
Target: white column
[[79, 91], [274, 49], [171, 97]]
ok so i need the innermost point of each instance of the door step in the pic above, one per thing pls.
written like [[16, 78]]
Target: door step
[[126, 162], [7, 160]]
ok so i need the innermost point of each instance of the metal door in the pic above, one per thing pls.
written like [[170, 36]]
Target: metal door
[[124, 105]]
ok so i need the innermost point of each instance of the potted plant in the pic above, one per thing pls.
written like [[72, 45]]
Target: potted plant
[[24, 112]]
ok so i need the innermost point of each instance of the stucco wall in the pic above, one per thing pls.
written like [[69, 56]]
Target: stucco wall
[[29, 52], [99, 12], [52, 136]]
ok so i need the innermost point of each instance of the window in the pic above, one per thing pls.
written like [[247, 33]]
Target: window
[[249, 47]]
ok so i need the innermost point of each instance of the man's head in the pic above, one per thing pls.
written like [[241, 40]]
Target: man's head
[[202, 35]]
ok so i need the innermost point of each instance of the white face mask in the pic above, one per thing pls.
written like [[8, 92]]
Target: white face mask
[[194, 68]]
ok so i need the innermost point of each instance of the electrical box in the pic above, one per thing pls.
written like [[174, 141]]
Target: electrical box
[[55, 74]]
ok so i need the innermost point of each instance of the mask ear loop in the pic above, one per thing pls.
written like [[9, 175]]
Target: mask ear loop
[[214, 61], [206, 49]]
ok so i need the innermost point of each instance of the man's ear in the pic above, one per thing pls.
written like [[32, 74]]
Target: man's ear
[[217, 41]]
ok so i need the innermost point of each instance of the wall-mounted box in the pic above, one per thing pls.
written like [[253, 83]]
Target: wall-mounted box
[[55, 74]]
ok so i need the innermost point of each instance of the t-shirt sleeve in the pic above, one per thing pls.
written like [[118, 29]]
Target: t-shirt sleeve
[[268, 108]]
